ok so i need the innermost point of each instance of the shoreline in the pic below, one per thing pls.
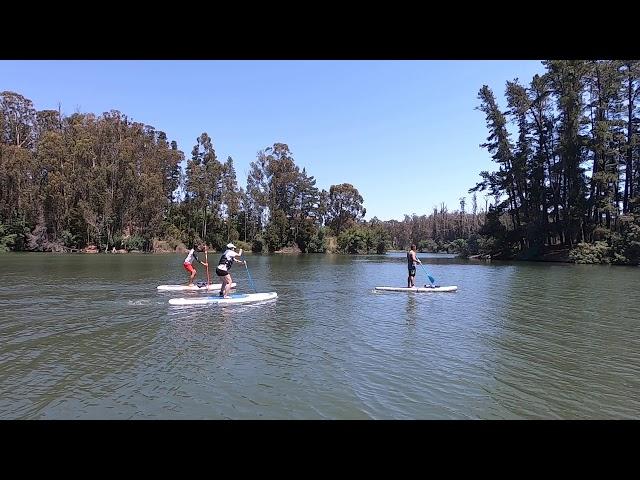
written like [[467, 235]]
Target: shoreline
[[473, 258], [560, 256]]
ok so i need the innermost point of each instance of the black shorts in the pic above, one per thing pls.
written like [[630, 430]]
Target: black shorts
[[412, 271], [221, 273]]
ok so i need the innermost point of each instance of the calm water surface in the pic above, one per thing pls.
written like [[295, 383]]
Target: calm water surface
[[88, 336]]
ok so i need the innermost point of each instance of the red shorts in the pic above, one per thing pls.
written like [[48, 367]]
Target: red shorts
[[188, 267]]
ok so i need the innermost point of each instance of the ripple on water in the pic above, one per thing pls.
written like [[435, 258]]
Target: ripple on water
[[90, 337]]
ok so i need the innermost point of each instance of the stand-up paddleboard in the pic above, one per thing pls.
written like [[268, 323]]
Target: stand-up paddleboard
[[418, 289], [233, 298], [194, 288]]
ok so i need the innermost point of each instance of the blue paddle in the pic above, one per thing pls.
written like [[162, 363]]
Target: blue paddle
[[250, 279], [431, 279]]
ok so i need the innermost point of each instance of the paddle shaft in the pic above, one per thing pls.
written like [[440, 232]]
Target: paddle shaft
[[206, 260], [250, 279], [431, 279]]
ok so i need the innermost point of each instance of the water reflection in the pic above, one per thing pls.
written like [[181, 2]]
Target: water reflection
[[516, 341], [411, 308]]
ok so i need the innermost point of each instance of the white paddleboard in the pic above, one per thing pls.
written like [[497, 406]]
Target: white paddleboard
[[418, 289], [233, 298], [194, 288]]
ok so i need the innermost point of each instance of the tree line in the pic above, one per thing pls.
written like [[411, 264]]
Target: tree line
[[69, 182], [568, 163]]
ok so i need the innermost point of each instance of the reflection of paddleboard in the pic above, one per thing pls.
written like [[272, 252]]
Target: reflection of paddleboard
[[194, 288], [418, 289], [233, 298]]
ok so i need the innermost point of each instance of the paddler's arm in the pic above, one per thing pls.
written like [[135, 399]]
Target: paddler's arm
[[235, 259], [204, 264]]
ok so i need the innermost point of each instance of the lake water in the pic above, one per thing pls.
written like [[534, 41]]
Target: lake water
[[89, 337]]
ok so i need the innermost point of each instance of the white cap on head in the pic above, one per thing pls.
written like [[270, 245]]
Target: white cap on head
[[230, 245]]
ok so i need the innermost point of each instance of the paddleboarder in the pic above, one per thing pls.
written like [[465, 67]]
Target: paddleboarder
[[224, 265], [412, 261], [188, 264]]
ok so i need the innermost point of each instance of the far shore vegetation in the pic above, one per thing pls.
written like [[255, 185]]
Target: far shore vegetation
[[566, 185]]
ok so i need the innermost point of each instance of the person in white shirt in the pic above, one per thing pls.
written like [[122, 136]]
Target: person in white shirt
[[188, 264], [224, 265]]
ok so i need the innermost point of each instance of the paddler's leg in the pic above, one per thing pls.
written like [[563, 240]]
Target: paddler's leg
[[223, 287], [227, 285], [221, 277], [191, 271]]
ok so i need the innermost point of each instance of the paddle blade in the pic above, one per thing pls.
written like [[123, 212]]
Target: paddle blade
[[431, 279]]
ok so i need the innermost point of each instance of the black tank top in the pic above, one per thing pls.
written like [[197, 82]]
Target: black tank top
[[409, 260], [225, 261]]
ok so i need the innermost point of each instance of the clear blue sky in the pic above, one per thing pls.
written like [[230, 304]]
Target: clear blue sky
[[404, 133]]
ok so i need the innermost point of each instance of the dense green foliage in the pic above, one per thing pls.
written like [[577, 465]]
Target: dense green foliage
[[572, 177], [72, 182]]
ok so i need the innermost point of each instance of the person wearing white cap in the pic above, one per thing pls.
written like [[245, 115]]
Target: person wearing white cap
[[224, 265]]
